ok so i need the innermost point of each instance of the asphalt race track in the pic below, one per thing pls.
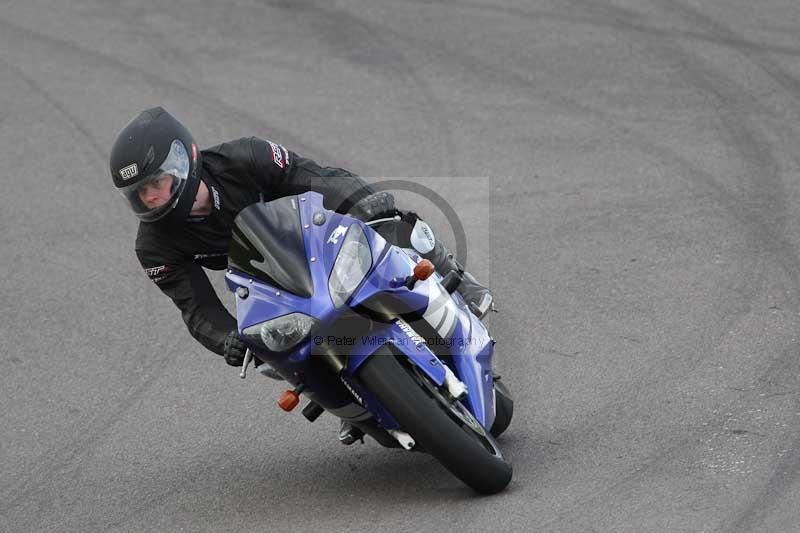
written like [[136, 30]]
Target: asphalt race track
[[626, 173]]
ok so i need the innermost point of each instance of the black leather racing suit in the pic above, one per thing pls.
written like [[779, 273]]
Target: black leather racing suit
[[236, 174]]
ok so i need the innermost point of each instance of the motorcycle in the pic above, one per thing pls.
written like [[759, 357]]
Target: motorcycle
[[368, 332]]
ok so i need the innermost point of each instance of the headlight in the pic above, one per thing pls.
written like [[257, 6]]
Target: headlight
[[280, 334], [352, 264]]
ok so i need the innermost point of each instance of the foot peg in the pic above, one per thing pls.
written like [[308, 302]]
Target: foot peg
[[312, 411]]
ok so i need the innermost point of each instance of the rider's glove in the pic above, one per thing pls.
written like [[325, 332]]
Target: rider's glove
[[234, 349], [374, 206]]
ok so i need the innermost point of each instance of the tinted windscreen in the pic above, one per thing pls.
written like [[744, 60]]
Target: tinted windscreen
[[268, 245]]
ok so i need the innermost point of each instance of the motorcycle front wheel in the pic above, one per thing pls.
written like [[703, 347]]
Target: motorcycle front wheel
[[441, 426]]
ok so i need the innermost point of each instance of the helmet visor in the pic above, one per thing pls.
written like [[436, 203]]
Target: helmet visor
[[156, 194]]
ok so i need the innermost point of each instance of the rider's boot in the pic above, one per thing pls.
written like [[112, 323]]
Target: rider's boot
[[348, 433], [478, 297]]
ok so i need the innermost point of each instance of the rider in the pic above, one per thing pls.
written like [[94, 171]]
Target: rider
[[186, 200]]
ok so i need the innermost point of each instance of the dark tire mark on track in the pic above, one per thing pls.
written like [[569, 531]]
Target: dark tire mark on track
[[79, 126], [763, 172], [608, 17], [755, 54], [787, 470], [63, 457], [373, 48], [210, 104]]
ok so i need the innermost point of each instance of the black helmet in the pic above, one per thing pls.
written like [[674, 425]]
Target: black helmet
[[155, 165]]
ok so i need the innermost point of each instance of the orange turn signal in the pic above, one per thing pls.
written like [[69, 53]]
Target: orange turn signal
[[289, 400], [423, 270]]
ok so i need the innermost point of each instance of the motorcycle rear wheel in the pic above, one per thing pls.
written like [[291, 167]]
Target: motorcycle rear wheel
[[442, 427]]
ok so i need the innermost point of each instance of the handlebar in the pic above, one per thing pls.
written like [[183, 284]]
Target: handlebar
[[395, 218]]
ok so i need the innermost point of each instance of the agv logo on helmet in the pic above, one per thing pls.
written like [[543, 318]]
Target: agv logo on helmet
[[131, 171]]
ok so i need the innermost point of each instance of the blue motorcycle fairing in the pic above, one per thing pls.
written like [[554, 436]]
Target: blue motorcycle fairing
[[465, 338], [322, 242], [473, 362], [262, 297], [397, 334], [469, 345]]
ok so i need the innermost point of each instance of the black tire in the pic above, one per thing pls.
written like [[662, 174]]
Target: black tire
[[468, 452], [504, 408]]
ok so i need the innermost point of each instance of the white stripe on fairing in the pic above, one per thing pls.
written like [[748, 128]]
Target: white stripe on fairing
[[441, 312], [435, 312], [450, 322], [446, 317]]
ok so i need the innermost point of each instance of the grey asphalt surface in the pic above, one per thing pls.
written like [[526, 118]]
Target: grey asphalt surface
[[627, 172]]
